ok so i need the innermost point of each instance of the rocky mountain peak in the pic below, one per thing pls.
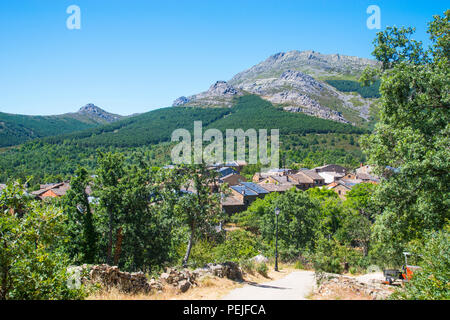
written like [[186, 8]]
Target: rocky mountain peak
[[96, 112]]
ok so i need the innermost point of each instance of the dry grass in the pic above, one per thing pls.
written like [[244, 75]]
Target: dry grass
[[209, 288], [335, 292]]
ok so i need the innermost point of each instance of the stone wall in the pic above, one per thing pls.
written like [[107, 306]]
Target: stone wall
[[137, 282]]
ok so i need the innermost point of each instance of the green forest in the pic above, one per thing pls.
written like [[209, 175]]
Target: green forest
[[304, 139], [370, 91], [16, 129]]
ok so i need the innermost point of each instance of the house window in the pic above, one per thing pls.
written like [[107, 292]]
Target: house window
[[339, 192]]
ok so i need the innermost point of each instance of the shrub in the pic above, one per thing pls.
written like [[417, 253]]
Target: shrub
[[202, 252], [31, 265], [262, 269], [328, 256], [432, 282], [247, 266], [238, 245]]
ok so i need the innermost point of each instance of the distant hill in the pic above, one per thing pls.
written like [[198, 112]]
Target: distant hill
[[16, 129]]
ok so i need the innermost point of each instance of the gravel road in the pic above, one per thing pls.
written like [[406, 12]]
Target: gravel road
[[295, 286]]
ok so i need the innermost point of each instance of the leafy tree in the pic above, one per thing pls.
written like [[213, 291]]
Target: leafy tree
[[109, 190], [199, 205], [412, 136], [360, 198], [80, 221], [32, 266], [432, 281], [297, 221]]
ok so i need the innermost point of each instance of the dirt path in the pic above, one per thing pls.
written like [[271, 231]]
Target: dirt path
[[295, 286]]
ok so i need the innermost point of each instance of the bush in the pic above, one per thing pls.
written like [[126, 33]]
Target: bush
[[202, 252], [432, 282], [247, 266], [299, 265], [238, 245], [329, 256], [31, 265], [262, 269]]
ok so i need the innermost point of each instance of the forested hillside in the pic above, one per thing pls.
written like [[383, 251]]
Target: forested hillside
[[304, 139], [16, 129]]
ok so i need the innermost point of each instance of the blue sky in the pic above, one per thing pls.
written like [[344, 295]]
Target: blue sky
[[135, 56]]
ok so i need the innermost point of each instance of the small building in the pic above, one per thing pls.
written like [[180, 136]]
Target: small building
[[52, 190], [339, 188], [277, 172], [306, 179], [225, 171], [232, 179], [350, 176], [232, 204], [330, 177], [331, 168]]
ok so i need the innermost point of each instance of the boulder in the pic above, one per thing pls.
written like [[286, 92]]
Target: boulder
[[184, 285], [260, 259]]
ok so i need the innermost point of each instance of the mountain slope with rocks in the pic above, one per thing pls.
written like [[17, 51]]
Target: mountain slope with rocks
[[296, 82]]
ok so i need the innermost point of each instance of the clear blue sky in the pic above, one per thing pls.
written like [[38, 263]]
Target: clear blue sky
[[134, 56]]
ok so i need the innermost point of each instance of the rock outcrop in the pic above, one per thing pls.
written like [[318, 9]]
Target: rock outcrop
[[220, 94], [95, 112], [332, 285]]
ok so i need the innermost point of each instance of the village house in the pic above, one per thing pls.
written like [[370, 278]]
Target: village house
[[340, 188], [306, 179], [259, 176], [331, 168], [232, 179], [57, 190], [350, 176], [330, 177], [242, 196], [52, 190]]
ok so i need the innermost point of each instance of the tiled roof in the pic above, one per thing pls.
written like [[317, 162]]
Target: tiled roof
[[232, 201], [60, 189], [312, 174], [280, 187], [301, 177]]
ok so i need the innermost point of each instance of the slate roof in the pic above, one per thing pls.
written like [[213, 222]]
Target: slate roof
[[244, 190], [225, 171], [255, 187]]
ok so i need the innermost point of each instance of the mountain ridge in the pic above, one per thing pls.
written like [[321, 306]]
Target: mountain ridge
[[297, 82]]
